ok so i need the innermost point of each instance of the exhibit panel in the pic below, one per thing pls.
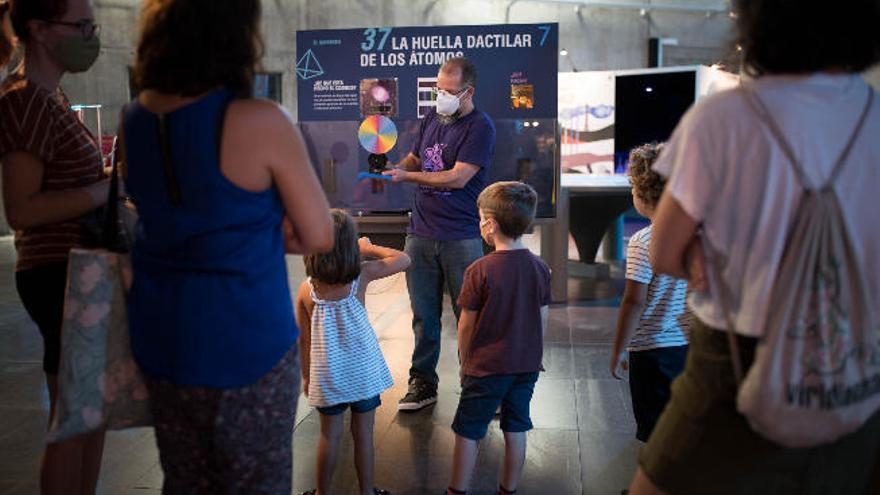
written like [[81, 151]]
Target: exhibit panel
[[586, 122], [338, 157], [604, 114], [348, 77]]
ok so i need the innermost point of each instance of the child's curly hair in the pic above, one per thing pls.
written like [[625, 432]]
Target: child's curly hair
[[647, 184]]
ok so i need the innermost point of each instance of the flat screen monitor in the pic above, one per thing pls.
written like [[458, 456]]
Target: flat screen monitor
[[649, 107]]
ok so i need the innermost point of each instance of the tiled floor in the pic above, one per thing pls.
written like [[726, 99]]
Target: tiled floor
[[582, 442]]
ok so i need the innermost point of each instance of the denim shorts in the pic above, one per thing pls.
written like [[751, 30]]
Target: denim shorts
[[359, 407], [481, 396]]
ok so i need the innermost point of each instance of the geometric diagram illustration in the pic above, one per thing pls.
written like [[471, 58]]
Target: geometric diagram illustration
[[308, 66], [377, 134]]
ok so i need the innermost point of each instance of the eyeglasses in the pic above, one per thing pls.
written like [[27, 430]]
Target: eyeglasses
[[87, 27], [436, 91]]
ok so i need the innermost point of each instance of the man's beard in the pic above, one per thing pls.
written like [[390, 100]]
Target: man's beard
[[449, 119]]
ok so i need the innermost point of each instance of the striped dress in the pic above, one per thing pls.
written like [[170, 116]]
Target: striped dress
[[665, 320], [346, 362]]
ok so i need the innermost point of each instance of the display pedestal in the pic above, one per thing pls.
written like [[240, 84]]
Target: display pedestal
[[592, 215], [387, 231], [586, 205]]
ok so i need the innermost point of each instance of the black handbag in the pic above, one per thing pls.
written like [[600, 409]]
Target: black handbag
[[105, 227]]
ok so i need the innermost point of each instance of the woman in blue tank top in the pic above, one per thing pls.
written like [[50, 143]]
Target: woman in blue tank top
[[214, 175]]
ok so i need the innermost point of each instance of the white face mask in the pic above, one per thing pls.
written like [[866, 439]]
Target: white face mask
[[448, 104]]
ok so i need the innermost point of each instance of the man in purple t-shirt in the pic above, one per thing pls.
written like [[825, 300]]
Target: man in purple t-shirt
[[449, 162]]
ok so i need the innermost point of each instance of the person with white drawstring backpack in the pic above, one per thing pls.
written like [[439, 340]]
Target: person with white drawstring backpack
[[770, 212]]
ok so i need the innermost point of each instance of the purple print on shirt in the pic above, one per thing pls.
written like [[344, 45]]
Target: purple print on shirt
[[434, 163], [434, 155]]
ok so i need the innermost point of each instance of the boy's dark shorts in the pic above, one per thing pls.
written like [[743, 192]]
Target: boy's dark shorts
[[359, 407], [651, 374], [481, 396]]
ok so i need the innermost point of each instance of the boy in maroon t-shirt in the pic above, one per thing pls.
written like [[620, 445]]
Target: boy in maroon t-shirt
[[503, 304]]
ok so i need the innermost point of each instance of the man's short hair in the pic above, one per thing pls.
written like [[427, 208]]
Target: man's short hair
[[512, 204], [804, 36], [468, 70]]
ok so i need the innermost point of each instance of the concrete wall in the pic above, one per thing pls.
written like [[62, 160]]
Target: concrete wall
[[595, 38]]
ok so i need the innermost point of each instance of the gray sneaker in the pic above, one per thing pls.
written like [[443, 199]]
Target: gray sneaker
[[420, 395]]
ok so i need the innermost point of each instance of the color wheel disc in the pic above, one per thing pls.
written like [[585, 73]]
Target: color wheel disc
[[377, 134]]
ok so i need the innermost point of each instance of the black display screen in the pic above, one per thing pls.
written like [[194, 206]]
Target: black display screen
[[649, 107]]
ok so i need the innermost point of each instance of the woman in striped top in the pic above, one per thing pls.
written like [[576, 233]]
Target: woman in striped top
[[651, 338], [52, 175], [342, 364]]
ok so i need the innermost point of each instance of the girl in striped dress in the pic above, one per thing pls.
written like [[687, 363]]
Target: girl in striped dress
[[342, 365]]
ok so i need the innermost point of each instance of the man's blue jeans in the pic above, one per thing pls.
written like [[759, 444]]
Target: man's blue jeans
[[437, 266]]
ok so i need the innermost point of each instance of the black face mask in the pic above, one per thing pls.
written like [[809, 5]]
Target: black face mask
[[76, 54]]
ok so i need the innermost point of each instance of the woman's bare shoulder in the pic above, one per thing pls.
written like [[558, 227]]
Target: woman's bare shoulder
[[254, 114]]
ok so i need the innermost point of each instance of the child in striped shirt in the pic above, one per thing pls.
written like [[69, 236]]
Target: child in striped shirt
[[342, 364], [651, 336]]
